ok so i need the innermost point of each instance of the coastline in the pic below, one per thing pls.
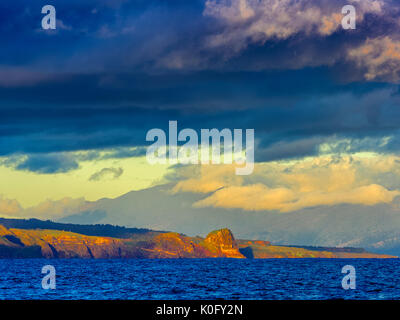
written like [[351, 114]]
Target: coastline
[[49, 243]]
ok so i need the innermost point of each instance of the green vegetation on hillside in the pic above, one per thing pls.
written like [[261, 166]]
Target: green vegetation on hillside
[[101, 230]]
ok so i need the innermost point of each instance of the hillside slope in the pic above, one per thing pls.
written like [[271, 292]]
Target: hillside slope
[[37, 243]]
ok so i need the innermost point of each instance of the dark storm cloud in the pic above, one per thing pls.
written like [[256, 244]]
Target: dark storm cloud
[[114, 173], [48, 163], [283, 107], [93, 35], [115, 69]]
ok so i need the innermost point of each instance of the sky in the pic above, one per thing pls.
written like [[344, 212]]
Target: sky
[[76, 102]]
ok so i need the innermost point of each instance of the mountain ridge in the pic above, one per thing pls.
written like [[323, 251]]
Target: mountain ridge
[[158, 208], [50, 243]]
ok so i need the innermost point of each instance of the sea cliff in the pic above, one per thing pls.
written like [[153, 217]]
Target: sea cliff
[[49, 243]]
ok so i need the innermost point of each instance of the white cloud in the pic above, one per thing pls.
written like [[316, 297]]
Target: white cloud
[[9, 207], [49, 209]]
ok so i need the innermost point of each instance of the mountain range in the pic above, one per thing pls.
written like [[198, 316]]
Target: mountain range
[[375, 228]]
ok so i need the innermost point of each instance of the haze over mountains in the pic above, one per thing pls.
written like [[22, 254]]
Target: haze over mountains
[[375, 228]]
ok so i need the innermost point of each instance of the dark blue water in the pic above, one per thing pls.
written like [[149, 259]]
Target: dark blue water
[[200, 279]]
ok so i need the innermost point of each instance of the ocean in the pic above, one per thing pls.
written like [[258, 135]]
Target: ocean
[[200, 279]]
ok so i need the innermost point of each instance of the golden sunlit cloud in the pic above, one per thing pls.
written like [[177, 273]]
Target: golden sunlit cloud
[[259, 197], [380, 56], [289, 186], [282, 186]]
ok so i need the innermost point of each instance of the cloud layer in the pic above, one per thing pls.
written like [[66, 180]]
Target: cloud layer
[[291, 186], [380, 57], [113, 70], [252, 21]]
